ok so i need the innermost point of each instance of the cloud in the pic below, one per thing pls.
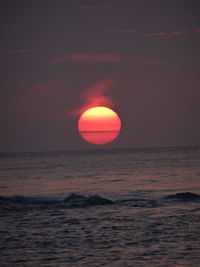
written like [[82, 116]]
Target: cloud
[[96, 95], [150, 62], [50, 101], [167, 34], [86, 7], [178, 33], [161, 34], [17, 51], [42, 90], [87, 58], [94, 58], [143, 64], [41, 100], [91, 4], [127, 31], [198, 30], [130, 30], [125, 62]]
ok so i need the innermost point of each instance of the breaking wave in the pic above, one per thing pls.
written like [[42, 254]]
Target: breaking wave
[[71, 201], [80, 201], [184, 196]]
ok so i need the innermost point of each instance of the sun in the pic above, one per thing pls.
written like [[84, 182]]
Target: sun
[[99, 125]]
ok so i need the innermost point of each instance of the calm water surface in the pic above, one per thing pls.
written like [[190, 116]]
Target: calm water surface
[[141, 216]]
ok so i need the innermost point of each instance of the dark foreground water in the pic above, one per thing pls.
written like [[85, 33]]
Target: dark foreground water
[[124, 207]]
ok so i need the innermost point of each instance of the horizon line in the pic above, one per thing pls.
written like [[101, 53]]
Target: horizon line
[[100, 131], [101, 149]]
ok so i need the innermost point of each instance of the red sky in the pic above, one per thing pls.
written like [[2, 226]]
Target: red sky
[[60, 57]]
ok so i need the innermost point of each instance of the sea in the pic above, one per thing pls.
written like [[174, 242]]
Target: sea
[[104, 207]]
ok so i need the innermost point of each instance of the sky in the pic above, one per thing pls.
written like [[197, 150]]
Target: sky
[[138, 57]]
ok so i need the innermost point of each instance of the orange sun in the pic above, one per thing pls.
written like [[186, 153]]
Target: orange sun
[[99, 125]]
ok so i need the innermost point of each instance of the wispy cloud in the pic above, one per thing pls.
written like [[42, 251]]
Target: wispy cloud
[[16, 51], [150, 62], [126, 62], [143, 64], [92, 4], [41, 100], [96, 95], [86, 7], [198, 30], [178, 33], [129, 30], [49, 100], [161, 34], [167, 34], [87, 58]]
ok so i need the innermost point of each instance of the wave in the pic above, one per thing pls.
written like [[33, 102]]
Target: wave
[[140, 203], [184, 196], [71, 201], [27, 200], [75, 200], [80, 201]]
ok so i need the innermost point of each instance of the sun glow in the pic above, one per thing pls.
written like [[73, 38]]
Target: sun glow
[[99, 125], [99, 112]]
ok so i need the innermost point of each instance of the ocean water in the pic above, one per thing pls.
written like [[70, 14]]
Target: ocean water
[[123, 207]]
